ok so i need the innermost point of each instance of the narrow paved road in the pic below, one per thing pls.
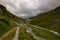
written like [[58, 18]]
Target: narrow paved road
[[29, 30], [56, 33], [16, 35]]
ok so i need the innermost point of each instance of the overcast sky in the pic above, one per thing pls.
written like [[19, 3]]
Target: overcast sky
[[29, 8]]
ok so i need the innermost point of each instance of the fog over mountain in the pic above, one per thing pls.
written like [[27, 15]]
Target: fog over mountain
[[29, 8]]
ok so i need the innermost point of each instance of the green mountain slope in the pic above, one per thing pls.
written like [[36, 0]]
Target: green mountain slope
[[6, 20]]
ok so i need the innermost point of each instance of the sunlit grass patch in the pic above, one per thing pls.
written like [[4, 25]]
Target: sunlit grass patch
[[10, 35], [5, 25]]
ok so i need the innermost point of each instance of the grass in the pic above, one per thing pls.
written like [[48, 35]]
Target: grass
[[23, 35], [49, 20], [5, 25], [10, 35], [45, 34], [6, 21]]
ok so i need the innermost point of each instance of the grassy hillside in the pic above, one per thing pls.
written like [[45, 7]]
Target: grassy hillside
[[50, 20], [6, 20]]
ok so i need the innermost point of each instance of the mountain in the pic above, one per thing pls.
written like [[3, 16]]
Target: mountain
[[41, 27]]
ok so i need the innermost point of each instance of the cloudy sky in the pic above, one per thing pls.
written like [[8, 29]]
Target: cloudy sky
[[29, 8]]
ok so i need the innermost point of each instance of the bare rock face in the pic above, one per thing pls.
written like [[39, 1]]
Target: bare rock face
[[29, 8]]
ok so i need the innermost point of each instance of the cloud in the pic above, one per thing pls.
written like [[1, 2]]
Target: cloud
[[29, 8]]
